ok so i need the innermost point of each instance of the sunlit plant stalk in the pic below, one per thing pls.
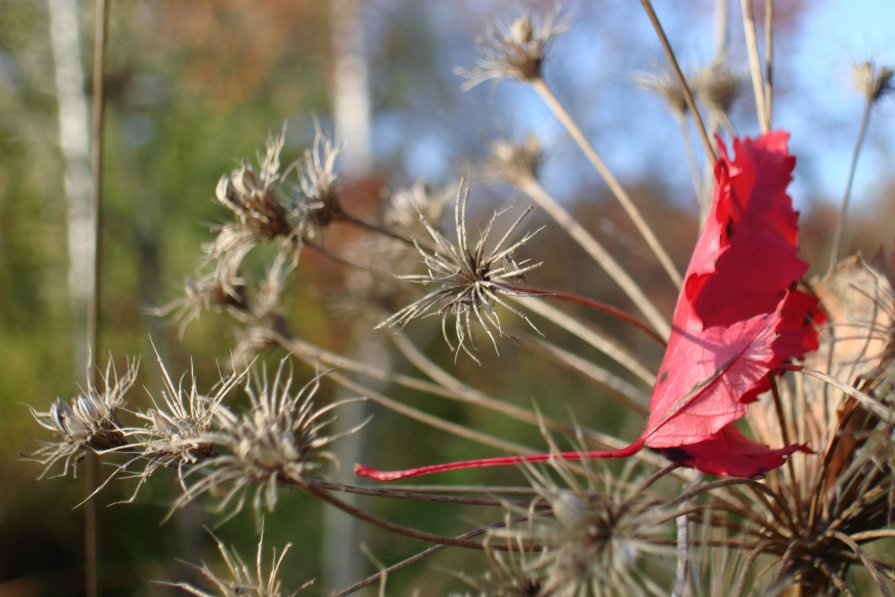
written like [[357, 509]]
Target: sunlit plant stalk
[[94, 306]]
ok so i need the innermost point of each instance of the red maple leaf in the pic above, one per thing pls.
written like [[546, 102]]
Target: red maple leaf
[[738, 318]]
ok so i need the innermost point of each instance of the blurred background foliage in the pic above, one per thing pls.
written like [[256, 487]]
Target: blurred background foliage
[[194, 86]]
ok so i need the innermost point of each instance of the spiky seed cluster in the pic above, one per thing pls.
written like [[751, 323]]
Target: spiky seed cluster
[[468, 280], [241, 579], [872, 80], [262, 215], [517, 51], [177, 429], [279, 440], [89, 422], [592, 538], [515, 162]]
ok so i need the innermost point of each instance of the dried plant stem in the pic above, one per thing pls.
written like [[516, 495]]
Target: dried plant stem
[[836, 249], [590, 304], [470, 395], [702, 197], [453, 390], [769, 59], [682, 573], [764, 120], [393, 527], [722, 28], [621, 195], [486, 439], [629, 394], [420, 556], [94, 306], [784, 433], [602, 342], [388, 492], [364, 225], [681, 80], [592, 247]]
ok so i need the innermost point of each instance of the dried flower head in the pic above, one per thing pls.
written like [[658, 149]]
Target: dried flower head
[[177, 429], [871, 80], [279, 440], [515, 51], [718, 87], [262, 213], [593, 537], [89, 422], [317, 180], [468, 281], [242, 580], [515, 162], [666, 86]]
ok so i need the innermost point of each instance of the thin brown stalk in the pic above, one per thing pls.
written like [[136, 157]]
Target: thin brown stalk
[[761, 107], [422, 555], [597, 252], [94, 306], [393, 527], [369, 227], [681, 80], [836, 249], [621, 195], [795, 485], [417, 496]]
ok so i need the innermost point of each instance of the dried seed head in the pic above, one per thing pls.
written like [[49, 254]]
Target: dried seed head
[[468, 280], [664, 85], [90, 422], [177, 429], [515, 162], [871, 80], [517, 51], [279, 440], [593, 537], [242, 580], [318, 184], [718, 87]]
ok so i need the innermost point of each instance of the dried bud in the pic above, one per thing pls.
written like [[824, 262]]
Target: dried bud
[[517, 51], [872, 81]]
